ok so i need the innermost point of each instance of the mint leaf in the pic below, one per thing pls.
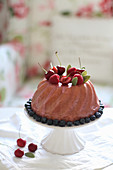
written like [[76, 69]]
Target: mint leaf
[[69, 66], [74, 81], [86, 78], [29, 154], [84, 73]]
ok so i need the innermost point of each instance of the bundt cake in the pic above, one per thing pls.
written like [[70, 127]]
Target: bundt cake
[[68, 99]]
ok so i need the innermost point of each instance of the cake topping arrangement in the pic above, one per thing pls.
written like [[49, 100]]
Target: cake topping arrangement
[[73, 75]]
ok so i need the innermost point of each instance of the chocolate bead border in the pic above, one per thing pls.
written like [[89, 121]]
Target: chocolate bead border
[[63, 123]]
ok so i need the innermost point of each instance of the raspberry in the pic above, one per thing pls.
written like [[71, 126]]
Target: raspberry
[[32, 147], [54, 79], [21, 142], [19, 153], [65, 80]]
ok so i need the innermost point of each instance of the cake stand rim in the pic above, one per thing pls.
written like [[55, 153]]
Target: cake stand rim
[[58, 127]]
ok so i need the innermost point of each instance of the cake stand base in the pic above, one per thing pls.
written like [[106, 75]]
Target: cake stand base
[[63, 141]]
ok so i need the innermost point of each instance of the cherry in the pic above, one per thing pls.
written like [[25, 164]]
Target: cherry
[[49, 74], [32, 147], [79, 71], [55, 70], [65, 80], [19, 153], [61, 69], [71, 71], [80, 79], [54, 79], [21, 142]]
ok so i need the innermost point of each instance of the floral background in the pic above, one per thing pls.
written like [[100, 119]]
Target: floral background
[[25, 31]]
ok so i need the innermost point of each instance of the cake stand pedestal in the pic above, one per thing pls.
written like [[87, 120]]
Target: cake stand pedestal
[[61, 140]]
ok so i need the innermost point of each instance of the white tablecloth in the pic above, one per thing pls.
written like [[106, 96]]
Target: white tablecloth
[[97, 154]]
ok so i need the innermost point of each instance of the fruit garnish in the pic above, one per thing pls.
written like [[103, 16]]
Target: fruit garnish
[[55, 69], [69, 66], [84, 73], [65, 80], [32, 147], [29, 154], [74, 81], [61, 69], [86, 78], [19, 153], [49, 74], [71, 71], [79, 71], [80, 79], [58, 57], [21, 142], [54, 79], [79, 62]]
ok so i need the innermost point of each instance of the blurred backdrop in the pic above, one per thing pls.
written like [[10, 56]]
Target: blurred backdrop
[[32, 31]]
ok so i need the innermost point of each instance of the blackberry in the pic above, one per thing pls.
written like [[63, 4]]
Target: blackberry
[[87, 119], [98, 114], [31, 113], [55, 122], [49, 121], [44, 120], [29, 102], [38, 118], [82, 121], [34, 116], [69, 123], [102, 106], [76, 122], [28, 107], [93, 117], [100, 110], [62, 123]]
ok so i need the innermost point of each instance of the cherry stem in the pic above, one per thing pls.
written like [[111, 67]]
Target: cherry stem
[[69, 74], [79, 62], [19, 130], [6, 145], [42, 68], [51, 65], [58, 57]]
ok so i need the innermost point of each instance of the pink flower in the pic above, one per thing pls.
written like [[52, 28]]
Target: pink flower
[[45, 23], [106, 7], [20, 10], [85, 11]]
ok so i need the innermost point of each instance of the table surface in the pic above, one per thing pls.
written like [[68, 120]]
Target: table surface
[[103, 127]]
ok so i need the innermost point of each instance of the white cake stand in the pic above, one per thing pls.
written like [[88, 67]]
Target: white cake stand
[[61, 140]]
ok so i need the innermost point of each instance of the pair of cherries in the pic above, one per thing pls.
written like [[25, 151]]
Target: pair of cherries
[[53, 75], [21, 143]]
